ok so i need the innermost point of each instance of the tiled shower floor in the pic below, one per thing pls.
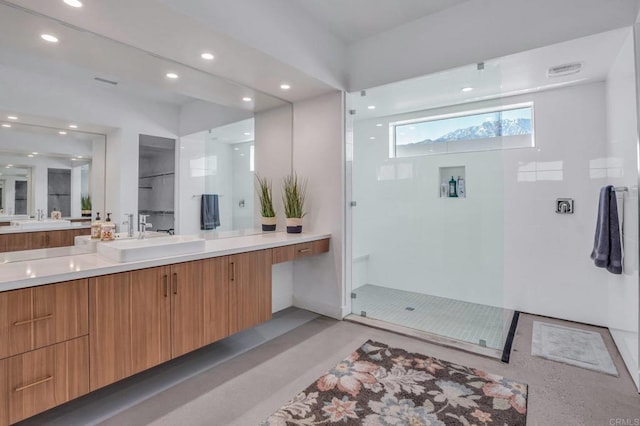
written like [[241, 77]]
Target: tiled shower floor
[[467, 322]]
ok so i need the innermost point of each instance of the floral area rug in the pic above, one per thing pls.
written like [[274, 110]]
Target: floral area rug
[[378, 385]]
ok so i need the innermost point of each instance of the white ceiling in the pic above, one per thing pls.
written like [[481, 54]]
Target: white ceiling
[[510, 75], [354, 20]]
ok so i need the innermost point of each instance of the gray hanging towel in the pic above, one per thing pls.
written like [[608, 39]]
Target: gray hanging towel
[[607, 248], [209, 212]]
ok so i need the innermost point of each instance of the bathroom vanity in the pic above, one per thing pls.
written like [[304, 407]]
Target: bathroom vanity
[[73, 324]]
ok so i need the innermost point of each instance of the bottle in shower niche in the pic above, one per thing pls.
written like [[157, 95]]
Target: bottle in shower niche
[[453, 193], [462, 192], [444, 189]]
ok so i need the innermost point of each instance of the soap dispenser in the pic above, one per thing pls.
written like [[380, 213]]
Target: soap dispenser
[[452, 188], [108, 229], [96, 228]]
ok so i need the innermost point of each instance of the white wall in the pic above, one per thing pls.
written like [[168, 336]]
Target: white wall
[[317, 155], [197, 116], [622, 135], [477, 31], [504, 244]]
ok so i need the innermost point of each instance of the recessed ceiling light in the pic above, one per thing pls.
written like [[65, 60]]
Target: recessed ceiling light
[[73, 3], [372, 137], [285, 86], [236, 149], [30, 155], [467, 89], [208, 56], [9, 166], [73, 159], [247, 134], [379, 125], [79, 156], [247, 99], [62, 132], [371, 107], [6, 125], [50, 38], [172, 75], [34, 153], [73, 126], [12, 117]]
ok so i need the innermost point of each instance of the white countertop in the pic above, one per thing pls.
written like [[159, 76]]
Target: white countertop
[[30, 273], [18, 230]]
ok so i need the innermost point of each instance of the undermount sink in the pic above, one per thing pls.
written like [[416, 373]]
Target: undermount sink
[[152, 248], [41, 224]]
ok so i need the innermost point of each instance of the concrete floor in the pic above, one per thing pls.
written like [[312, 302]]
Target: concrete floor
[[247, 388]]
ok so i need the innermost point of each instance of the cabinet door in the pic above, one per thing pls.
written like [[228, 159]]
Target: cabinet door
[[215, 278], [16, 327], [249, 289], [110, 329], [18, 241], [41, 379], [150, 318], [187, 310], [60, 312]]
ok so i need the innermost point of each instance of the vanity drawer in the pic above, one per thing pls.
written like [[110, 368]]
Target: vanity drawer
[[298, 251], [40, 316], [39, 380]]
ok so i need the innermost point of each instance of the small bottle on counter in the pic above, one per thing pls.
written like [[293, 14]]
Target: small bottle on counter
[[453, 193], [462, 192], [96, 228], [108, 229], [56, 214]]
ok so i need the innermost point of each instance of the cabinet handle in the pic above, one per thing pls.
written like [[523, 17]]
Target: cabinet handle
[[305, 250], [46, 317], [30, 385], [175, 283], [165, 279], [233, 271]]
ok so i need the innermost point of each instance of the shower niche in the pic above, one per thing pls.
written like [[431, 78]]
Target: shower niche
[[452, 182]]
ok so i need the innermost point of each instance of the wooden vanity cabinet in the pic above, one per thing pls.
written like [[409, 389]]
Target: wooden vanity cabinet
[[42, 379], [299, 251], [130, 324], [40, 316], [44, 353], [249, 289], [142, 318]]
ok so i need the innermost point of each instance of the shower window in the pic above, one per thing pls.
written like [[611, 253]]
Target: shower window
[[478, 130]]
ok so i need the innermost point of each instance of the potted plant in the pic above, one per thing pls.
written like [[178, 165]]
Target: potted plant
[[266, 204], [85, 206], [294, 191]]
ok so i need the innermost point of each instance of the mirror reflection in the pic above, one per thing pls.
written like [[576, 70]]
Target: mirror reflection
[[167, 134]]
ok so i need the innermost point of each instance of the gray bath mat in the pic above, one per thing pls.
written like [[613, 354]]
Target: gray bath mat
[[572, 346]]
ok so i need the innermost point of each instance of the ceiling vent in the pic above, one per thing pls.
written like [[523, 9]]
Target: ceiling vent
[[564, 69]]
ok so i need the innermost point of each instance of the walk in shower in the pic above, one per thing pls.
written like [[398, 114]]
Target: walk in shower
[[454, 182]]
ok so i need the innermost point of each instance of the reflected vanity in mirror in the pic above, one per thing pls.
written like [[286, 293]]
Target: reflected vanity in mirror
[[116, 100]]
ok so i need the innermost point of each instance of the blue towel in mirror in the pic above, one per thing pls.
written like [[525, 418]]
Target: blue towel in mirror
[[607, 245], [209, 212]]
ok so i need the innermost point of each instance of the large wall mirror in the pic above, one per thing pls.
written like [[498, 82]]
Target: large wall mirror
[[117, 99]]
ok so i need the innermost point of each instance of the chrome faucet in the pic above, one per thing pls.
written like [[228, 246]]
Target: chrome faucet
[[143, 225], [40, 215], [129, 223]]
